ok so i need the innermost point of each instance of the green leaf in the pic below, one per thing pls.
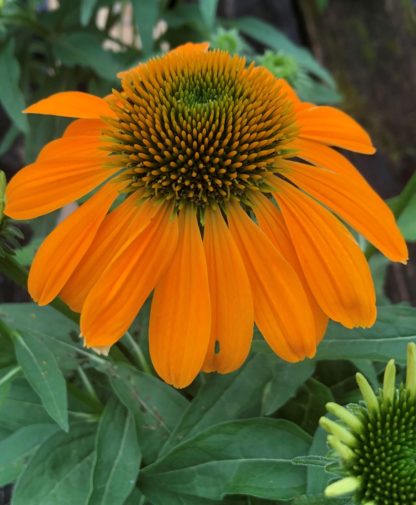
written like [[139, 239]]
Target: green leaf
[[60, 470], [87, 8], [317, 478], [10, 95], [407, 220], [22, 407], [388, 338], [85, 49], [287, 378], [208, 10], [252, 457], [43, 374], [155, 406], [6, 377], [118, 457], [146, 13], [49, 326], [268, 35], [223, 398], [15, 450], [8, 139]]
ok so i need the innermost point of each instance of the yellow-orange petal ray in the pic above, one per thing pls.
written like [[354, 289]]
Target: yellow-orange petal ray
[[119, 228], [63, 148], [64, 248], [180, 316], [43, 187], [87, 127], [332, 126], [231, 298], [281, 308], [356, 202], [334, 265], [118, 295], [271, 221], [71, 104]]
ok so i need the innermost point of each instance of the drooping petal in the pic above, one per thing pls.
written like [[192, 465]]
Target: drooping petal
[[64, 248], [334, 266], [231, 298], [72, 104], [271, 221], [180, 317], [117, 231], [281, 308], [333, 127], [116, 298], [84, 127], [356, 202], [43, 187]]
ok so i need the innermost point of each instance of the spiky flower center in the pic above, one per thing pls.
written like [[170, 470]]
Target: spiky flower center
[[199, 128], [385, 457]]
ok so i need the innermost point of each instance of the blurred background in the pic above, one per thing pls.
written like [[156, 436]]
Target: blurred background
[[357, 55]]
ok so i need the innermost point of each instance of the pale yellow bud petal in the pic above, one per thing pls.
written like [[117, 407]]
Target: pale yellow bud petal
[[367, 393], [345, 415], [343, 486]]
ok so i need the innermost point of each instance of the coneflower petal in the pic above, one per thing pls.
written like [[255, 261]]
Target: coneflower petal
[[347, 193], [116, 232], [72, 104], [271, 221], [332, 126], [64, 248], [114, 301], [231, 298], [180, 317], [334, 265], [281, 309]]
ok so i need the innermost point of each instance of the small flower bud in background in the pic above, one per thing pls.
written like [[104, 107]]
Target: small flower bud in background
[[228, 40]]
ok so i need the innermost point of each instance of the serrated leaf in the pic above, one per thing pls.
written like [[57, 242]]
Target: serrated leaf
[[59, 472], [208, 10], [287, 378], [155, 406], [118, 457], [43, 374], [251, 457], [146, 14], [10, 95], [223, 398], [15, 449]]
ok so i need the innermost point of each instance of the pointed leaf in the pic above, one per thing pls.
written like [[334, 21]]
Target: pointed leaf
[[43, 374]]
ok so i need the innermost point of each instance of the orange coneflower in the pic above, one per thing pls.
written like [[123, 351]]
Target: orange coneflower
[[218, 191]]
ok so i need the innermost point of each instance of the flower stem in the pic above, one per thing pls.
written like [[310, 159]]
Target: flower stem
[[9, 375], [141, 359]]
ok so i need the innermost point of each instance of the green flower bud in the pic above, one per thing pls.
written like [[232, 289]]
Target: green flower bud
[[281, 65], [228, 40]]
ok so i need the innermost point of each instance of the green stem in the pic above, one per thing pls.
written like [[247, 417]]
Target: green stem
[[141, 359], [95, 401], [9, 375]]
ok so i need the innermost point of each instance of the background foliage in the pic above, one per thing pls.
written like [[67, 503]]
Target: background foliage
[[76, 428]]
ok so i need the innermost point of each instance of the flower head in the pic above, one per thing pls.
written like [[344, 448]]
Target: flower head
[[376, 442], [210, 174]]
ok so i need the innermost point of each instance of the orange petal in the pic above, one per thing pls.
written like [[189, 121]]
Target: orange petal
[[86, 127], [332, 126], [116, 298], [72, 104], [63, 249], [180, 318], [117, 231], [334, 265], [43, 187], [63, 148], [231, 299], [281, 309], [271, 221], [190, 48], [356, 202]]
